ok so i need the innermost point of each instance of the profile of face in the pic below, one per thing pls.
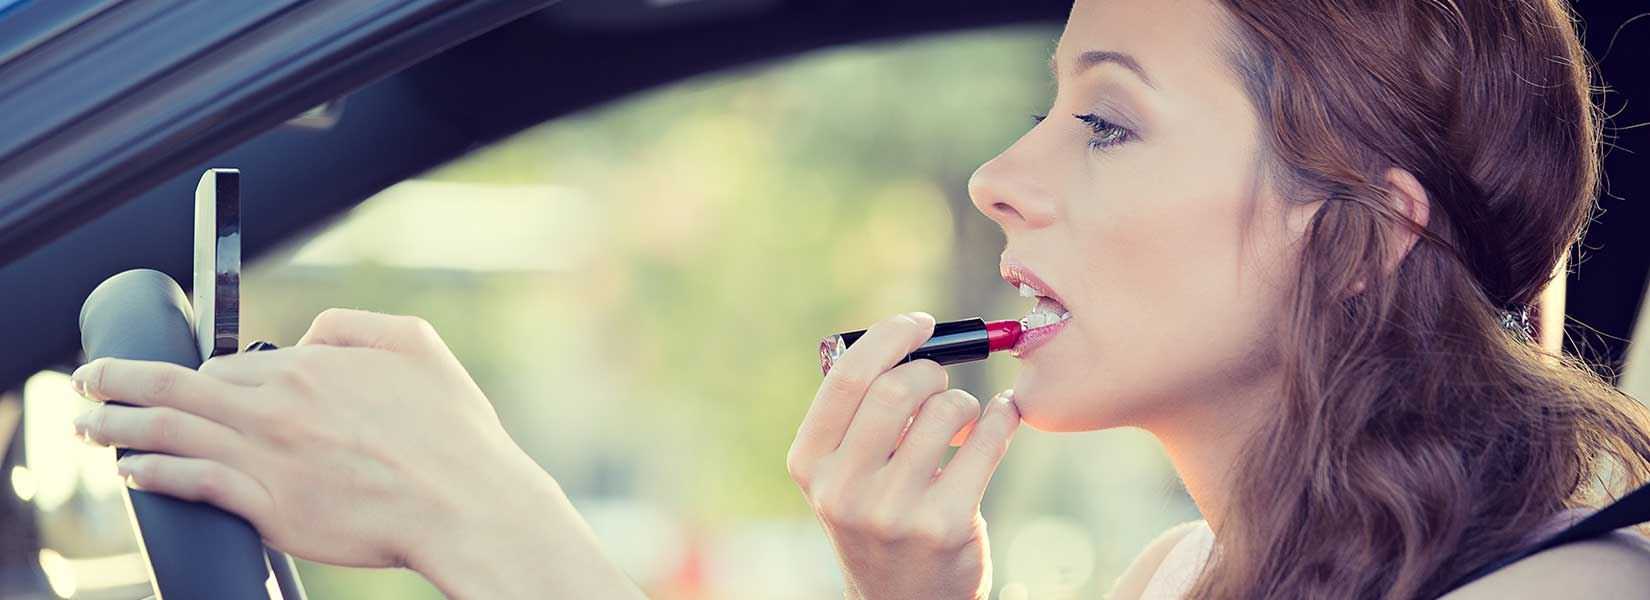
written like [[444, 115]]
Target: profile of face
[[1140, 205]]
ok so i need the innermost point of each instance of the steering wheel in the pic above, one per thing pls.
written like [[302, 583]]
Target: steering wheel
[[195, 551]]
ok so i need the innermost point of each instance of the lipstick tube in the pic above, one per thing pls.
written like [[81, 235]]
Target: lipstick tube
[[953, 342]]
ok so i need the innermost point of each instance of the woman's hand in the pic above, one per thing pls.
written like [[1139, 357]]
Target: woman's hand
[[903, 527], [367, 444]]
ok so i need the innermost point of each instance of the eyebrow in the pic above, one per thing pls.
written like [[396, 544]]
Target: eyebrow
[[1094, 58]]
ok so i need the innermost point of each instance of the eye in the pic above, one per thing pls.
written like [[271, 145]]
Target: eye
[[1106, 134], [1038, 119]]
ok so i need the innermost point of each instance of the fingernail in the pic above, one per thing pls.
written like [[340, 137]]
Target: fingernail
[[78, 382], [125, 467], [82, 426], [1007, 400]]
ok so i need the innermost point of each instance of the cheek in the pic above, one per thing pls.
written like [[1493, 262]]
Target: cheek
[[1175, 295]]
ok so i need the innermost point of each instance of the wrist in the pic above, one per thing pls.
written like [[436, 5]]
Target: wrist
[[465, 536], [516, 536]]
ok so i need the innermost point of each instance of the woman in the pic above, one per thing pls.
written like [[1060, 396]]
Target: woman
[[1278, 235]]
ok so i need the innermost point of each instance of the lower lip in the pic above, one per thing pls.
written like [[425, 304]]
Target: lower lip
[[1033, 339]]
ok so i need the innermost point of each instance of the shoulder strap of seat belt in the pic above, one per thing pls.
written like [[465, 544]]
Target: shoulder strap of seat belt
[[1629, 510]]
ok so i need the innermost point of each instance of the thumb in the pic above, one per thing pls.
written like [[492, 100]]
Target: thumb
[[971, 467], [364, 329]]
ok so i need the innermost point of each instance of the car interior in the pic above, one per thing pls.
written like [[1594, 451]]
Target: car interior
[[314, 156]]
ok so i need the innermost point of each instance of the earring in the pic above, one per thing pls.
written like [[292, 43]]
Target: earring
[[1517, 322]]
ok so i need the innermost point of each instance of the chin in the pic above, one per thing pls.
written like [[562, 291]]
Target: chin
[[1055, 406], [1063, 401]]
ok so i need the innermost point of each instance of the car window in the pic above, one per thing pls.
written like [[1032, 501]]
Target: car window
[[640, 288], [86, 546]]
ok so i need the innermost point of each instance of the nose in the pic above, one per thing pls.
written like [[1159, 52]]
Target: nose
[[1006, 191]]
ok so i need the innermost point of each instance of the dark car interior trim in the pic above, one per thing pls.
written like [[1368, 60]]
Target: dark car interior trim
[[557, 61]]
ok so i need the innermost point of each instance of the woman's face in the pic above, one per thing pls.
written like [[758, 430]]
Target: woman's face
[[1139, 206]]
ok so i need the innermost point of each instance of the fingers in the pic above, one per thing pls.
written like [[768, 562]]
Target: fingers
[[149, 383], [962, 435], [969, 471], [363, 329], [941, 417], [839, 396], [161, 429], [251, 369], [199, 480], [888, 406]]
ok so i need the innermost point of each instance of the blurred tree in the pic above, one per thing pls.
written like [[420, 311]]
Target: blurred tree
[[788, 200], [732, 220]]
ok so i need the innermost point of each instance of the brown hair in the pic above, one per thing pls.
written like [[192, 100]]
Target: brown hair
[[1417, 440]]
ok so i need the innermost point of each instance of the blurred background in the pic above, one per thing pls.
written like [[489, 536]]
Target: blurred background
[[640, 288]]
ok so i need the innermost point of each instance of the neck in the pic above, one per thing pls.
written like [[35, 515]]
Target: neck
[[1204, 441]]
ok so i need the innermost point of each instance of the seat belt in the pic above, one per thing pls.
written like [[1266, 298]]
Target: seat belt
[[1629, 510]]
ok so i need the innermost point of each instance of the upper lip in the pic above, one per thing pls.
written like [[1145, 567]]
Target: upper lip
[[1016, 273]]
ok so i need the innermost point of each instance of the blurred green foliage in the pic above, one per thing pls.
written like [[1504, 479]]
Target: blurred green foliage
[[727, 223]]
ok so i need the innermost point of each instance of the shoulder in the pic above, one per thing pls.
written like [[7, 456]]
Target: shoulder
[[1613, 566], [1140, 571]]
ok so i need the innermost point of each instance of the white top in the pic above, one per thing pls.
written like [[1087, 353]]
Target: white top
[[1181, 566], [1184, 561]]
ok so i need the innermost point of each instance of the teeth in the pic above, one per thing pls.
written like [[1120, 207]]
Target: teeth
[[1026, 291], [1040, 319]]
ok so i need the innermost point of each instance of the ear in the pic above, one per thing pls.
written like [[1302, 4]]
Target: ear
[[1408, 198]]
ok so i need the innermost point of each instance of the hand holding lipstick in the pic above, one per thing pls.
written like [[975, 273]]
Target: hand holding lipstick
[[903, 525]]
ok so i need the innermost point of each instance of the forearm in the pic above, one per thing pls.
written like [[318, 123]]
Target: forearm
[[526, 543]]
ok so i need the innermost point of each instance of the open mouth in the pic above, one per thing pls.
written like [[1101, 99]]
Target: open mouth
[[1047, 318], [1048, 311]]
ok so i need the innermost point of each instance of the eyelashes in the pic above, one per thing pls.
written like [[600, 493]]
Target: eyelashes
[[1106, 133]]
